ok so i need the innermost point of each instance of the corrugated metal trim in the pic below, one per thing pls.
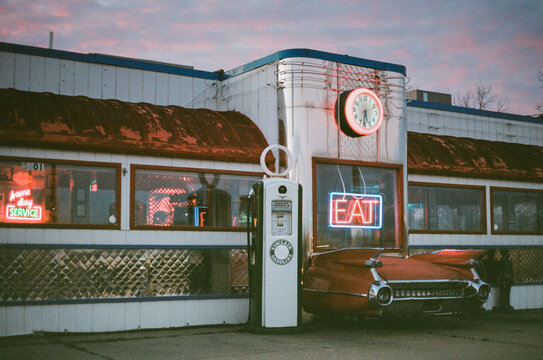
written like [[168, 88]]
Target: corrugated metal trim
[[455, 156], [109, 60], [470, 111], [45, 120], [316, 54]]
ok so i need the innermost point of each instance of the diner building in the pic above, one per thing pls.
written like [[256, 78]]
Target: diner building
[[124, 183]]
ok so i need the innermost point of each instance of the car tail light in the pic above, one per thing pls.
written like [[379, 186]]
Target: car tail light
[[380, 294]]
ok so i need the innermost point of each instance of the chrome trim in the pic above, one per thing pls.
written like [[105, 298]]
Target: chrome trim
[[428, 298], [427, 281], [375, 274], [336, 292], [374, 292], [349, 248]]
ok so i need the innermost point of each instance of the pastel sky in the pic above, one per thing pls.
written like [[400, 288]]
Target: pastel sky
[[447, 46]]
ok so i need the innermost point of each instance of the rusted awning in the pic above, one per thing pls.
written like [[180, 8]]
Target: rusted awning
[[45, 120], [456, 156]]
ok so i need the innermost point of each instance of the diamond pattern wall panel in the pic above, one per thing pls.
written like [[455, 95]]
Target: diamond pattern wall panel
[[86, 274]]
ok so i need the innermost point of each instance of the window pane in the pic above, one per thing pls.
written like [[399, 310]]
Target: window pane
[[175, 198], [365, 218], [445, 208], [517, 211], [35, 193]]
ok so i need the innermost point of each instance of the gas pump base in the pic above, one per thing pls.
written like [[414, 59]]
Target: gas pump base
[[259, 330]]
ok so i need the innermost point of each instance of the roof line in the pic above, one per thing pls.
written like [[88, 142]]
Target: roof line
[[316, 54], [108, 60], [471, 111]]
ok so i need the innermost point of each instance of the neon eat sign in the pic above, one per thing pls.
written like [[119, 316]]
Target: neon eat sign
[[355, 210], [24, 208]]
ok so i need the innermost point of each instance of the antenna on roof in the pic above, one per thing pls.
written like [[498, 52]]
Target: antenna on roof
[[51, 34]]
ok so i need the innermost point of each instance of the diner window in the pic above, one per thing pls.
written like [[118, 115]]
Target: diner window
[[356, 205], [46, 192], [516, 211], [190, 199], [435, 208]]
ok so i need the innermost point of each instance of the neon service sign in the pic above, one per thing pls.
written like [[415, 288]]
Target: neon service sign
[[349, 210], [22, 206]]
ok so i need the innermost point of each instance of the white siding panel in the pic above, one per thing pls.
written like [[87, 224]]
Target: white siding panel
[[100, 318], [199, 93], [22, 72], [37, 73], [244, 310], [148, 315], [81, 78], [67, 318], [174, 90], [136, 85], [192, 312], [206, 312], [163, 311], [233, 311], [132, 315], [177, 314], [15, 320], [50, 316], [161, 89], [539, 296], [34, 236], [220, 310], [33, 319], [95, 81], [7, 70], [186, 89], [66, 77], [108, 82], [4, 238], [116, 320], [149, 87], [84, 318], [16, 236], [122, 89], [3, 320]]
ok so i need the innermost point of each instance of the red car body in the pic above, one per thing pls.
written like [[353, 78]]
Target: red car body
[[367, 281]]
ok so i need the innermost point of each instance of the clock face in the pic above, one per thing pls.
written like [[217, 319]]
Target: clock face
[[360, 111]]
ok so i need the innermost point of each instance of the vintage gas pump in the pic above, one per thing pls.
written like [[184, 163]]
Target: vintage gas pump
[[275, 254]]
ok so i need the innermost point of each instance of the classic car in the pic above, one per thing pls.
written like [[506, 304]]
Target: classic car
[[373, 282]]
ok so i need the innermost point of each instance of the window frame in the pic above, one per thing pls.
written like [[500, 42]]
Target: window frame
[[135, 167], [402, 241], [510, 189], [484, 229], [118, 212]]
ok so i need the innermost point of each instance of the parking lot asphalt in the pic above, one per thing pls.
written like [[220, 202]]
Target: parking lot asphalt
[[488, 335]]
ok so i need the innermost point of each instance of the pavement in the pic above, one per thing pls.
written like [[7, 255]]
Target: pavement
[[489, 335]]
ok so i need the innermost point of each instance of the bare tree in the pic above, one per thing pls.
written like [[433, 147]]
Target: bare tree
[[539, 107], [481, 98]]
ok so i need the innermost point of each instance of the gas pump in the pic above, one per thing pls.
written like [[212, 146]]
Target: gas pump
[[275, 254]]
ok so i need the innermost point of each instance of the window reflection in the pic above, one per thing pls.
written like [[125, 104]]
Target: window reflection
[[190, 199], [440, 208], [58, 193], [517, 211], [380, 184]]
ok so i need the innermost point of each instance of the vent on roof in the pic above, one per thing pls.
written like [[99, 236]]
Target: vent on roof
[[429, 96]]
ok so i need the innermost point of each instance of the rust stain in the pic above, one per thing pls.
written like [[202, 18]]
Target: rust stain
[[466, 157], [30, 119]]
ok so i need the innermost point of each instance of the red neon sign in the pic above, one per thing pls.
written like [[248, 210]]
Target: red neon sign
[[355, 210], [24, 208]]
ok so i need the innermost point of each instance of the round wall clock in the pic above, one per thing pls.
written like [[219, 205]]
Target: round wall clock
[[358, 112]]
